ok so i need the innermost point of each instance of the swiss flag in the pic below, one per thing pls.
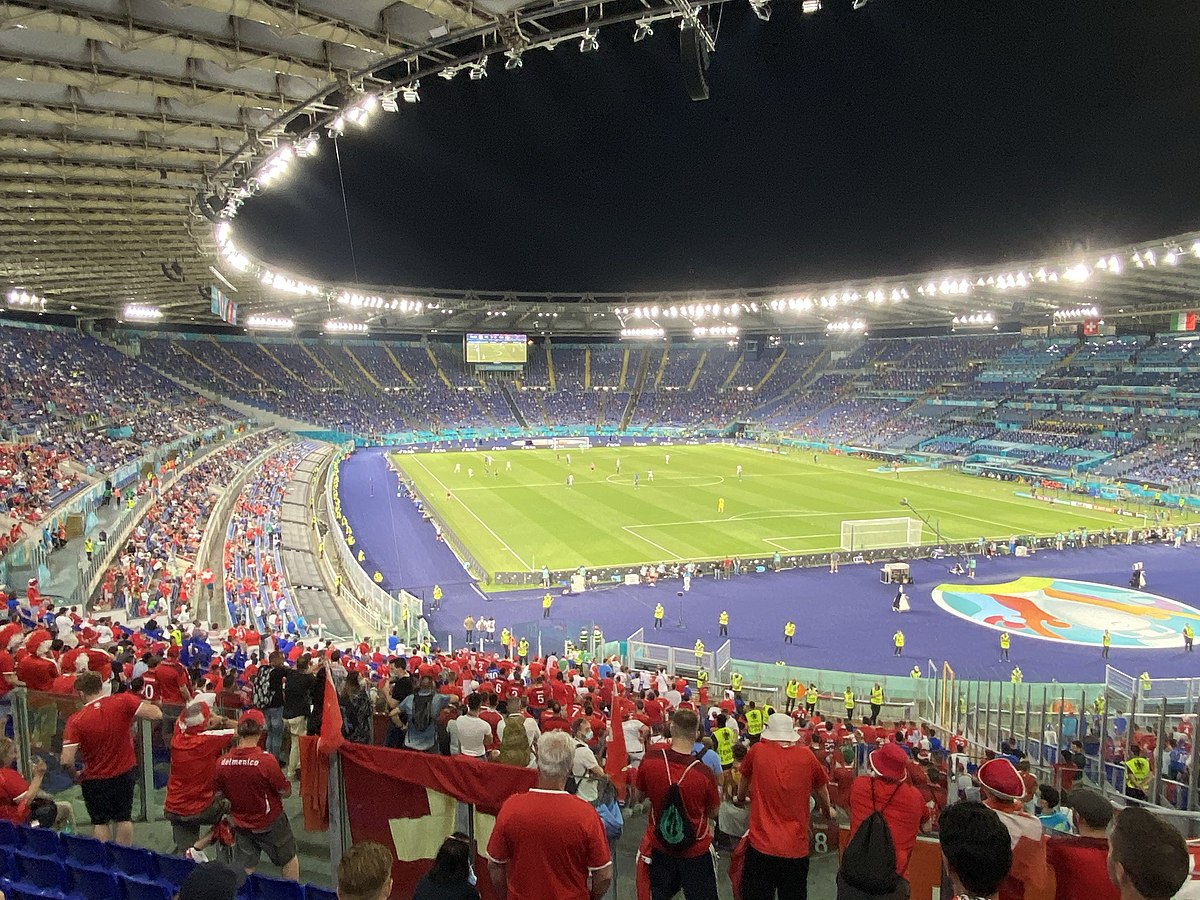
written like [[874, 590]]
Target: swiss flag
[[315, 750], [616, 762], [408, 801]]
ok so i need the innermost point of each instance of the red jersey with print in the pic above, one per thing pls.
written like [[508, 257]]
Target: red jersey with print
[[101, 732], [194, 769], [171, 679], [251, 780]]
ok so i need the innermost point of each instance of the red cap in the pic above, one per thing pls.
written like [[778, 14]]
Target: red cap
[[253, 715], [889, 762], [1001, 778]]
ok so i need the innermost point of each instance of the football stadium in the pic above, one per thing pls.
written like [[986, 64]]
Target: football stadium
[[587, 450]]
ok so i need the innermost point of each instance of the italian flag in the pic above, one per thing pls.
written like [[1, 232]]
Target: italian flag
[[1183, 321]]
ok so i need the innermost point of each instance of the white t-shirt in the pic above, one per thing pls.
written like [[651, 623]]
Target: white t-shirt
[[66, 630], [633, 739], [585, 761], [473, 733]]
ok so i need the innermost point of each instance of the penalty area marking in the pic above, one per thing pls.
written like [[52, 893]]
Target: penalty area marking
[[501, 540], [630, 529]]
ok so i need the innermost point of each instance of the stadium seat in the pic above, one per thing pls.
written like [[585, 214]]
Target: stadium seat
[[41, 876], [174, 869], [86, 851], [9, 836], [41, 841], [145, 889], [94, 882], [312, 892], [133, 861], [263, 887]]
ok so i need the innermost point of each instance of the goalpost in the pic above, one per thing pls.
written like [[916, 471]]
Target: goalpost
[[570, 443], [877, 534]]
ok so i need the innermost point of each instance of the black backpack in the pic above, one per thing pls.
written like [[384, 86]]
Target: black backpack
[[869, 860], [672, 826], [261, 694], [422, 714]]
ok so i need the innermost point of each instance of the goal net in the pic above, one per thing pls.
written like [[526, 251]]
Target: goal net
[[570, 443], [873, 534]]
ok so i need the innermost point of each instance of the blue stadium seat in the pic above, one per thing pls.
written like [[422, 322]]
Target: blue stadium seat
[[133, 861], [144, 889], [264, 887], [94, 882], [174, 869], [86, 851], [9, 836], [41, 841], [41, 876], [312, 892]]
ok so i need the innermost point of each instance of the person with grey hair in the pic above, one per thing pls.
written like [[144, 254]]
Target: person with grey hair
[[548, 843]]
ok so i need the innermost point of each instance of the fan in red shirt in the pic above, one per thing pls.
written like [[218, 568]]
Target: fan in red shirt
[[198, 742], [886, 792], [553, 719], [1080, 863], [255, 786], [687, 868], [100, 734], [36, 670], [783, 775], [173, 687], [546, 842]]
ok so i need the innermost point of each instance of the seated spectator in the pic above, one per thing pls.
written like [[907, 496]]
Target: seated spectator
[[451, 876], [365, 873], [21, 800], [211, 881]]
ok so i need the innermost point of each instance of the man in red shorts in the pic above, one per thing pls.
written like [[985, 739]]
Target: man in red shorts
[[251, 779], [100, 734]]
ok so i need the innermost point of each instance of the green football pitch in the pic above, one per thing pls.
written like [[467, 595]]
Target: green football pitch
[[526, 517]]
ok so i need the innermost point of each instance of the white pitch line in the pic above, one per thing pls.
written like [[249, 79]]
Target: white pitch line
[[630, 530], [501, 540]]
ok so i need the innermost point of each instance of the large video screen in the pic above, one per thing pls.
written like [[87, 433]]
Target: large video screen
[[495, 348]]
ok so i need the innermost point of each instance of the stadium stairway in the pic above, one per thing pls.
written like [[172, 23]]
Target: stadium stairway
[[506, 393]]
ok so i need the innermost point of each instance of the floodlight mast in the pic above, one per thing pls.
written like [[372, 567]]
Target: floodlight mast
[[936, 526]]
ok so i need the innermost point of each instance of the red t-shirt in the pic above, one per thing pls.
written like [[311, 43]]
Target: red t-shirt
[[101, 731], [539, 696], [171, 678], [252, 781], [697, 789], [902, 806], [555, 723], [781, 778], [549, 842], [1080, 868], [37, 673], [12, 786], [193, 770]]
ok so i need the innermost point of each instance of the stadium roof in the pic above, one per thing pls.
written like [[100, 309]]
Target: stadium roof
[[129, 129]]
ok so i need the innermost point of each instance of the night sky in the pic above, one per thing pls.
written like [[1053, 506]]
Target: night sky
[[909, 135]]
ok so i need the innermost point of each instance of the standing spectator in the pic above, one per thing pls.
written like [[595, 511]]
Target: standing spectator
[[1003, 791], [420, 713], [100, 734], [473, 733], [273, 710], [251, 779], [365, 872], [198, 742], [886, 791], [1049, 813], [357, 714], [1147, 858], [783, 774], [975, 849], [1081, 863], [400, 685], [546, 843], [450, 876], [689, 867], [297, 706]]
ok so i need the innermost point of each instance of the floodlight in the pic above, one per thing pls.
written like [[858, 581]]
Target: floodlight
[[388, 101], [589, 42], [478, 70], [513, 59], [762, 9], [644, 30], [411, 93], [810, 6]]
